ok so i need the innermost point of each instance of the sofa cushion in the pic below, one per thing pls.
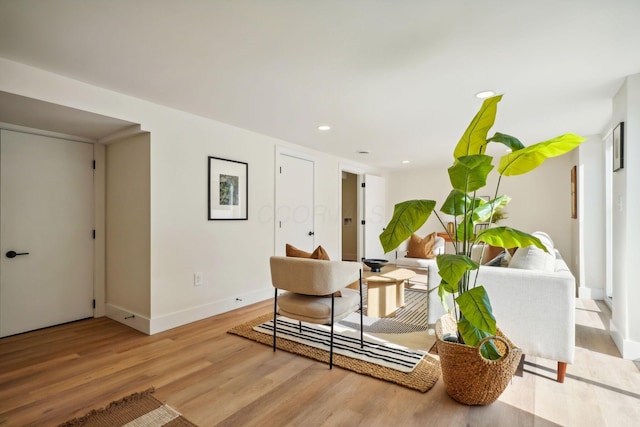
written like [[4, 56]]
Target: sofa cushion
[[315, 309], [421, 247], [534, 258]]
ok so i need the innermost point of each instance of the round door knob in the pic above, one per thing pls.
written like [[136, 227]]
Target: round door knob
[[311, 233]]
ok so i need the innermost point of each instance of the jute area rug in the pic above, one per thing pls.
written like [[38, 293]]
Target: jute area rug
[[422, 378], [136, 410]]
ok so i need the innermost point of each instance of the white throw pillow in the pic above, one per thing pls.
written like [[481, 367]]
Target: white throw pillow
[[534, 258], [545, 238]]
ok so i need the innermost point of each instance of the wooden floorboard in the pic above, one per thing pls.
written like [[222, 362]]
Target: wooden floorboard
[[218, 379]]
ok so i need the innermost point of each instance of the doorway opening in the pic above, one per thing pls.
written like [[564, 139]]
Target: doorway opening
[[349, 216], [363, 215]]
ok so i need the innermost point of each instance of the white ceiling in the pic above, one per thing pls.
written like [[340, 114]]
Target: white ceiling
[[393, 77]]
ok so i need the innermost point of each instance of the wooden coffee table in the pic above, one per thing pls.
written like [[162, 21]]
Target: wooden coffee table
[[386, 290]]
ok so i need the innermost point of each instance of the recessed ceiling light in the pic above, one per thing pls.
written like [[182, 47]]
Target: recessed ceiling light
[[485, 94], [363, 152], [404, 162], [324, 127]]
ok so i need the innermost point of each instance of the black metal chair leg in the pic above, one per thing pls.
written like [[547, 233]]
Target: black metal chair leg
[[331, 344], [361, 314], [275, 310]]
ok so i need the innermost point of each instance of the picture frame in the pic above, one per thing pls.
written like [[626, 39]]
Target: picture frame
[[618, 147], [574, 192], [227, 189]]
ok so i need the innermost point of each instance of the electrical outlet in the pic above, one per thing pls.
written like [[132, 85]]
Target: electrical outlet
[[198, 279]]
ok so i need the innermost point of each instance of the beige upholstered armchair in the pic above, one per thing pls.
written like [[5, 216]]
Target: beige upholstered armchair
[[311, 286]]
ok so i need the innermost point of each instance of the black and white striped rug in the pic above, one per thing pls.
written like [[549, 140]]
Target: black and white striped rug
[[347, 343], [412, 317]]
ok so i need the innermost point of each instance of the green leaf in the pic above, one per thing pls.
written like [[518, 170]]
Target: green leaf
[[476, 308], [469, 173], [506, 237], [485, 210], [465, 229], [457, 203], [527, 159], [448, 287], [444, 289], [452, 267], [408, 217], [474, 139], [509, 141], [472, 336]]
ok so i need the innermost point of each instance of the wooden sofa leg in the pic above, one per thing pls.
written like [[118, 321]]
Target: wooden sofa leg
[[562, 370]]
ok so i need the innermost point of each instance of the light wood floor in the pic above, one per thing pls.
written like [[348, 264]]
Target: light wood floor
[[218, 379]]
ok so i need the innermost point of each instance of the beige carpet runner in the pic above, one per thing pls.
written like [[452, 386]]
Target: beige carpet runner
[[136, 410]]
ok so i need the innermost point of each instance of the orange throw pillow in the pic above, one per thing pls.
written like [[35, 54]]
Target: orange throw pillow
[[318, 253], [421, 247], [292, 251]]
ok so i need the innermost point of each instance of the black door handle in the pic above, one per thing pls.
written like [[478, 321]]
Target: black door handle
[[13, 254], [311, 233]]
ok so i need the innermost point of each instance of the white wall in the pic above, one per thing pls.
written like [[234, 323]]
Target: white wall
[[232, 255], [128, 231], [625, 323], [431, 182], [540, 199], [589, 238]]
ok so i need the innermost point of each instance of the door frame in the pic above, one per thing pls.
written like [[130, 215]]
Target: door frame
[[608, 218]]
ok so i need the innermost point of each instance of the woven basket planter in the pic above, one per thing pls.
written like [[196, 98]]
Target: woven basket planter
[[468, 377]]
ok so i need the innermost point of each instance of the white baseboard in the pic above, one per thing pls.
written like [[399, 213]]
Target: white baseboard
[[630, 350], [590, 293], [129, 318], [193, 314]]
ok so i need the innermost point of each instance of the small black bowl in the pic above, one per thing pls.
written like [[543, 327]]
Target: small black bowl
[[375, 264]]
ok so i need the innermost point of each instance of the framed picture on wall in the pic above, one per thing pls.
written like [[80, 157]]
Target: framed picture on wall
[[227, 189], [618, 146]]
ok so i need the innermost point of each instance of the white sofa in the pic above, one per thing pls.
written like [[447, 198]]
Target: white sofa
[[534, 308]]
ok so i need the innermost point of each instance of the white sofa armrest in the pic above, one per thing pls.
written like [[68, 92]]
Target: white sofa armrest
[[535, 309]]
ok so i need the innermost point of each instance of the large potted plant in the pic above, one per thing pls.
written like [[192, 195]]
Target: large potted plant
[[473, 320]]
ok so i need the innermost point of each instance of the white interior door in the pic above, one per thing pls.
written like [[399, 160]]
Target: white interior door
[[46, 193], [294, 203], [374, 198]]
